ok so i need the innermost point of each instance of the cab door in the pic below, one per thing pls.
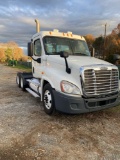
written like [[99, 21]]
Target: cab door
[[36, 62]]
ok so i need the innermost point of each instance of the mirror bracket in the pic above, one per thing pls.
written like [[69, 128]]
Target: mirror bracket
[[65, 56]]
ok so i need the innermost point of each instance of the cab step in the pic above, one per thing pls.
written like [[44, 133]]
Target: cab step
[[32, 92]]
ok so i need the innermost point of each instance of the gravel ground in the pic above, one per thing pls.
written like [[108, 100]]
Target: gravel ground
[[27, 133]]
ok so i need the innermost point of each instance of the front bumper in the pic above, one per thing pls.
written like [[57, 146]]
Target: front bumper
[[76, 105]]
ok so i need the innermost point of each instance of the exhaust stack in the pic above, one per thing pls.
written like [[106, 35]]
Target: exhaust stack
[[37, 25]]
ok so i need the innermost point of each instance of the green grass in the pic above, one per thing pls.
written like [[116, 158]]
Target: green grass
[[22, 67]]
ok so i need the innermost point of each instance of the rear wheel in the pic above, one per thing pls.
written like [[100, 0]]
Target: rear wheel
[[18, 80], [23, 83], [48, 100]]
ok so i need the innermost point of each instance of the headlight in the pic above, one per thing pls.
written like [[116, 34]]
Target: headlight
[[70, 88]]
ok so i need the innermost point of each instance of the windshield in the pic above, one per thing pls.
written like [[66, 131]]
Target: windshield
[[54, 45]]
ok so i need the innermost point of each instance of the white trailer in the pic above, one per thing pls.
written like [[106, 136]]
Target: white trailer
[[66, 77]]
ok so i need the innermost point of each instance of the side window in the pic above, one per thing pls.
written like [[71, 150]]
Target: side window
[[37, 48]]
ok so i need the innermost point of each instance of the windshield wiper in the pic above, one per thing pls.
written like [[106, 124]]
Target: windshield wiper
[[53, 53], [78, 53], [56, 53]]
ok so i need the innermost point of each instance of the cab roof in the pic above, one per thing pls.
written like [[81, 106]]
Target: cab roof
[[56, 33]]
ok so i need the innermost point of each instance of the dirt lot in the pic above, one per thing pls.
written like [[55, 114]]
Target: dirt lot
[[27, 133]]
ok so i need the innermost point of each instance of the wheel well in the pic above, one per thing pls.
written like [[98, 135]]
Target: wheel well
[[44, 83]]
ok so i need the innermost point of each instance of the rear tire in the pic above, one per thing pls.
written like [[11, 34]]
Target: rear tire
[[23, 83], [48, 100], [18, 79]]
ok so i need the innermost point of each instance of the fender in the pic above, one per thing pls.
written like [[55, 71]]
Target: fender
[[51, 74], [44, 78]]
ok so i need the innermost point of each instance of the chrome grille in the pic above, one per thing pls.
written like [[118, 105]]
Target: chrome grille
[[99, 82]]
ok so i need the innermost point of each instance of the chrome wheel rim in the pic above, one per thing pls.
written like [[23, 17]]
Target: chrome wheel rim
[[48, 99]]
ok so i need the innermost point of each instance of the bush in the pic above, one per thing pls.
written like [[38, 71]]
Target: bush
[[110, 59], [12, 62]]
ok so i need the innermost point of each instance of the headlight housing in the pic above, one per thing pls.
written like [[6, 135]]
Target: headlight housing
[[69, 88]]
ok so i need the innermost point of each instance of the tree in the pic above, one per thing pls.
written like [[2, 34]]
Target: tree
[[89, 39], [9, 51], [18, 53], [99, 45], [12, 44], [2, 55], [24, 58], [9, 54], [113, 44]]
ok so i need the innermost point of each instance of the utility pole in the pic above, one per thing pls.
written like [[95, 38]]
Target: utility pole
[[105, 30], [104, 40]]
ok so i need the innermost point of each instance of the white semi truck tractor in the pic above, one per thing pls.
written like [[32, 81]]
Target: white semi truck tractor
[[66, 76]]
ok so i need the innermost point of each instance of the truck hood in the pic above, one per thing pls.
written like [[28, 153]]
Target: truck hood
[[77, 61]]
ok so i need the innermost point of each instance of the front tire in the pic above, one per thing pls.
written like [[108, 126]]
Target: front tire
[[48, 100]]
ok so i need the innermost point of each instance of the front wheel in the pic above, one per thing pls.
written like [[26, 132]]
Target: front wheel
[[48, 100]]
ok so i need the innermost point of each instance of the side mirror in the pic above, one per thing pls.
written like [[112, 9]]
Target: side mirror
[[64, 54], [38, 60], [30, 49]]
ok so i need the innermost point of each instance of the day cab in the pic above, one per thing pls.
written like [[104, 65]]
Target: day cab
[[67, 77]]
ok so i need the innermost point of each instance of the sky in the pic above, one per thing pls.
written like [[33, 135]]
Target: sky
[[79, 16]]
